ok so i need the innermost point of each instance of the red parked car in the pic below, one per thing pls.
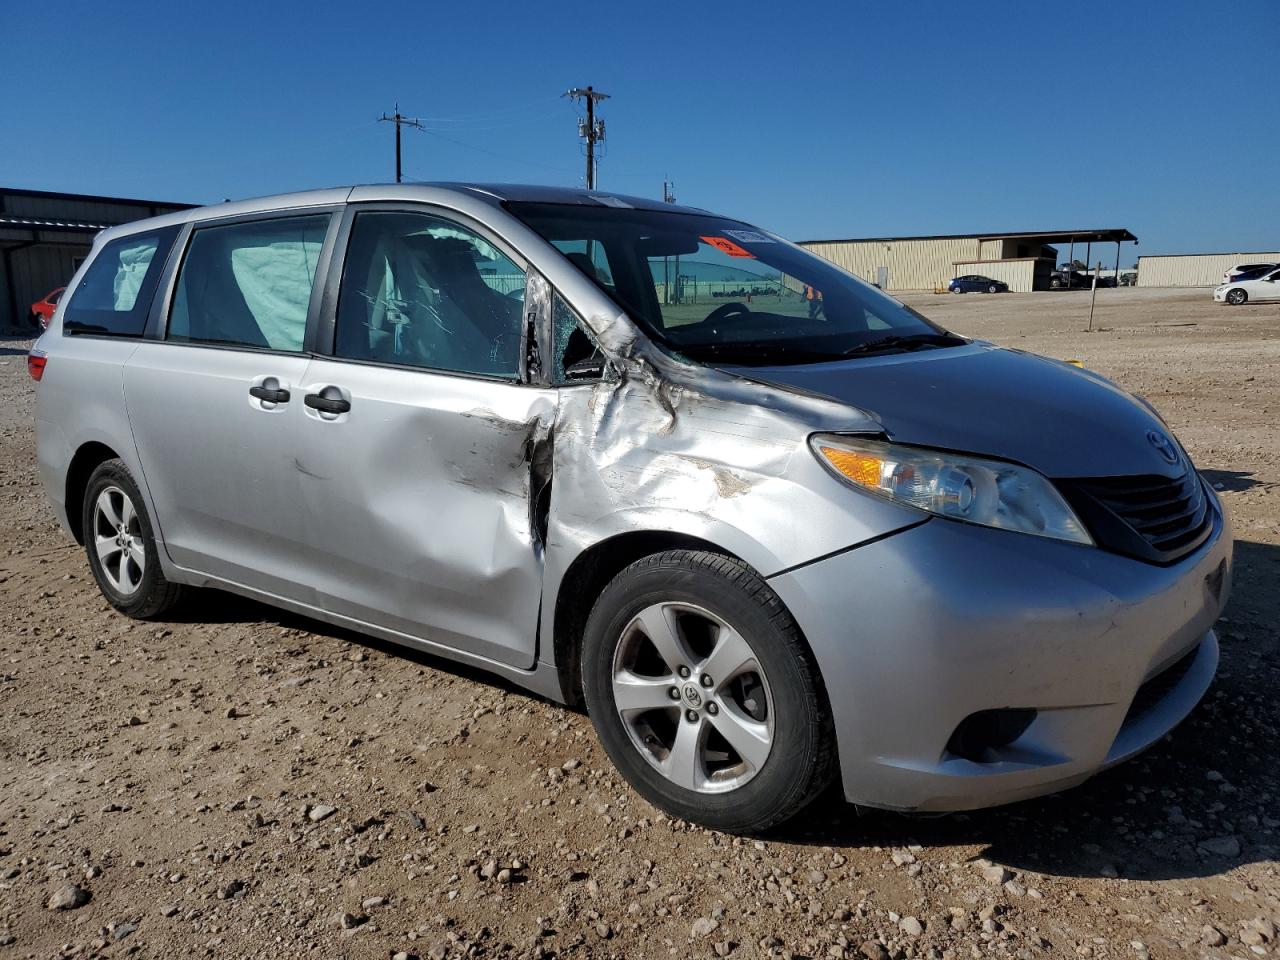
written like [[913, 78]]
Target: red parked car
[[42, 310]]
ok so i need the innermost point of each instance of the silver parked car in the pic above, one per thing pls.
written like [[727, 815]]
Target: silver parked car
[[773, 527]]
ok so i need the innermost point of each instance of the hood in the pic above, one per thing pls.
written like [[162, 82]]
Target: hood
[[986, 400]]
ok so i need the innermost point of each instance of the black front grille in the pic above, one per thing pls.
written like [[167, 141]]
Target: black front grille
[[1156, 688], [1154, 518]]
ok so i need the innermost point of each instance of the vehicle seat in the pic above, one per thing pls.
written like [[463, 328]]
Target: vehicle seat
[[583, 263]]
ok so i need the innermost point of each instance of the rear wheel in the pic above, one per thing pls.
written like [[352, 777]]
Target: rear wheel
[[1236, 297], [705, 695], [120, 542]]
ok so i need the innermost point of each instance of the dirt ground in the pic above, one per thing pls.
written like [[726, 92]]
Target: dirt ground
[[245, 783]]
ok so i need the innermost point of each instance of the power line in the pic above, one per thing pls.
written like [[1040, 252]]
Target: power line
[[499, 156], [492, 114], [400, 121], [591, 129]]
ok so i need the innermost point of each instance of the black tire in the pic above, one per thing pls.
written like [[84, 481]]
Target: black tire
[[993, 289], [153, 594], [1237, 297], [801, 762], [1055, 284]]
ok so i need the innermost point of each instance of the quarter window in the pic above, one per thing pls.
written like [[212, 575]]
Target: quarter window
[[571, 344], [248, 284], [115, 294], [427, 292]]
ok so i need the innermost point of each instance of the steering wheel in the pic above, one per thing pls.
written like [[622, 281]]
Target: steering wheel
[[726, 310]]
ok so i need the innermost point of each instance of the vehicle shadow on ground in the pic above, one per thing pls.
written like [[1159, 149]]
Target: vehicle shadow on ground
[[1200, 803], [1232, 480], [216, 606]]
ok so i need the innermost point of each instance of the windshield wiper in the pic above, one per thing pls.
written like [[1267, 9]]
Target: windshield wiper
[[905, 342]]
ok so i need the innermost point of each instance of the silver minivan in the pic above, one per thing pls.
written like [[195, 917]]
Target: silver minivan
[[774, 528]]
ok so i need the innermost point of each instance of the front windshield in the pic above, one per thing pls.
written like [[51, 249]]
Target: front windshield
[[718, 290]]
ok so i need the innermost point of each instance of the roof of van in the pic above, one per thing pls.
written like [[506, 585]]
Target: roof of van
[[536, 193], [493, 194]]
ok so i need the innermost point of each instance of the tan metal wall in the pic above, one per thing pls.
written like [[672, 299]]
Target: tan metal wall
[[994, 250], [913, 264], [1194, 270], [1020, 275]]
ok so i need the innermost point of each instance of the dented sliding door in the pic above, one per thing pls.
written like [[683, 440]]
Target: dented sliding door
[[419, 498]]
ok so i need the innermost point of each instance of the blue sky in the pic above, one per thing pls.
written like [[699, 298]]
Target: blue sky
[[816, 120]]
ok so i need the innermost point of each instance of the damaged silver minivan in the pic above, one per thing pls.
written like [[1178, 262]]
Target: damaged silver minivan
[[771, 526]]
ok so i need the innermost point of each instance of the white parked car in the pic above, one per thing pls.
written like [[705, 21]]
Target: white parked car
[[1240, 269], [1262, 287]]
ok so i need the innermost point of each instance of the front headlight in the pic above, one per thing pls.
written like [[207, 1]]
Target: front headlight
[[972, 489]]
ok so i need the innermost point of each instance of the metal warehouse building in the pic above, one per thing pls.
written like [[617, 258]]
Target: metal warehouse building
[[45, 236], [1022, 260], [1194, 269]]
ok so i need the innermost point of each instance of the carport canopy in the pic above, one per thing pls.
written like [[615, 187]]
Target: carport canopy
[[1116, 235]]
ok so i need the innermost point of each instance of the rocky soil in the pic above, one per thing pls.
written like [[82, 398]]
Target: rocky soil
[[245, 783]]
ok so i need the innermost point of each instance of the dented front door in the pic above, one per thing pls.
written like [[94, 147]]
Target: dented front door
[[420, 493]]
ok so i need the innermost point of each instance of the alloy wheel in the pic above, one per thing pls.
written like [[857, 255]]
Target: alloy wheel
[[693, 697], [117, 538]]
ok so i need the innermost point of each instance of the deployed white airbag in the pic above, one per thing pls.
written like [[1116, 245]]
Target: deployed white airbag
[[276, 280], [134, 261]]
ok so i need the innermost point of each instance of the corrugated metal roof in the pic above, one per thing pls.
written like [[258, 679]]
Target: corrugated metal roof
[[1107, 234], [92, 198], [31, 223]]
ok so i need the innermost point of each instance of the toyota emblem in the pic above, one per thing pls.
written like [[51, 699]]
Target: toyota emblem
[[1164, 446]]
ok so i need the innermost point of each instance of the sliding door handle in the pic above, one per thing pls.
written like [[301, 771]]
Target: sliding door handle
[[269, 394], [326, 404]]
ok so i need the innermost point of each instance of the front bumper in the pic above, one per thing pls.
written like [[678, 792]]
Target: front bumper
[[918, 631], [1220, 295]]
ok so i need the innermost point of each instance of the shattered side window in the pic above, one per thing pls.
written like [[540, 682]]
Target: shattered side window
[[571, 343]]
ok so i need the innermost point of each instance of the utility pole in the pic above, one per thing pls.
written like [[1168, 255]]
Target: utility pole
[[668, 196], [400, 121], [591, 129]]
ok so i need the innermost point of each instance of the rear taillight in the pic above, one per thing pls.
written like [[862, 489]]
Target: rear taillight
[[36, 364]]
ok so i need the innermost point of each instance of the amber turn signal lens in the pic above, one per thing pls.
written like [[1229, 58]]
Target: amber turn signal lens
[[858, 467]]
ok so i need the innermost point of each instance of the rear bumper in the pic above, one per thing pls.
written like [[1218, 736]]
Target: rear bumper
[[920, 630]]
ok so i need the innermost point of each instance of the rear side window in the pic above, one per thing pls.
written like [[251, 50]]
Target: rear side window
[[115, 294], [248, 284]]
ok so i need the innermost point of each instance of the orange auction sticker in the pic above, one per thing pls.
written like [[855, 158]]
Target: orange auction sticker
[[725, 245]]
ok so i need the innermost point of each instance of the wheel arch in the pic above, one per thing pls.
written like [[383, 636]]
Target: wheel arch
[[87, 458], [588, 574]]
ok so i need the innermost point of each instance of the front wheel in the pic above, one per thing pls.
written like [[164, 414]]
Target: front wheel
[[120, 542], [705, 695], [993, 289], [1236, 297]]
